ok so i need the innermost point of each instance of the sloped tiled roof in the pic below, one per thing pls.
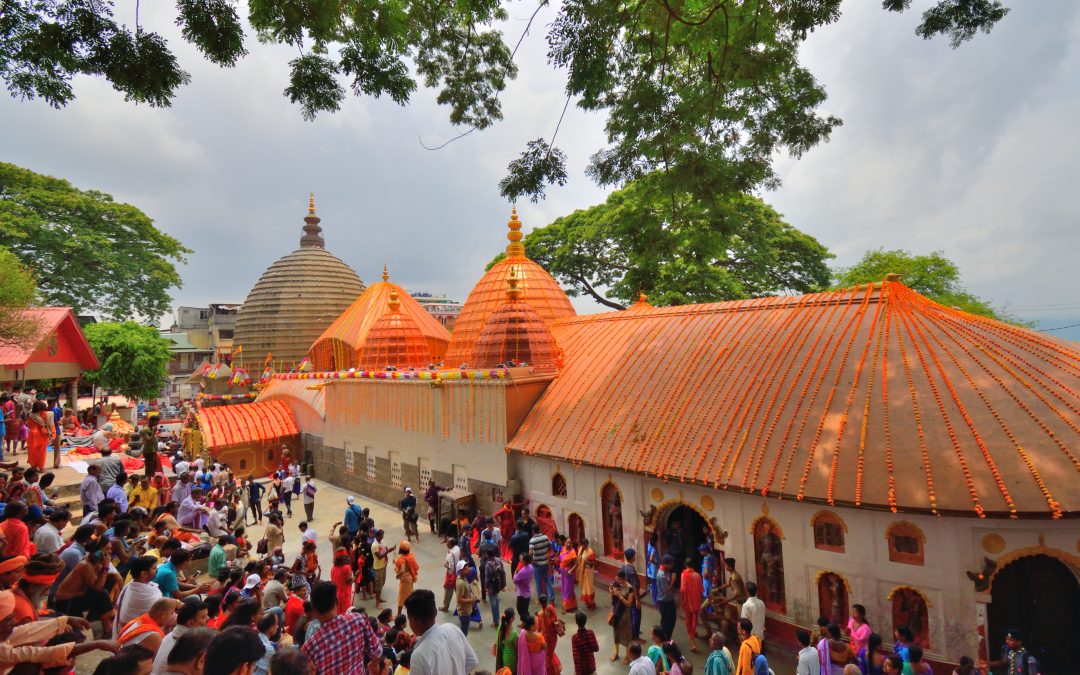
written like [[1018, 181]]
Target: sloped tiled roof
[[260, 422], [50, 320], [872, 396]]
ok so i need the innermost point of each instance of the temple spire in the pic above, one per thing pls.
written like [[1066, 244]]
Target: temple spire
[[312, 236], [513, 293], [394, 303], [515, 247], [385, 273]]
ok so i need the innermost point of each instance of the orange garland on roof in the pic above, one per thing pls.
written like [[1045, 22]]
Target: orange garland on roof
[[924, 453]]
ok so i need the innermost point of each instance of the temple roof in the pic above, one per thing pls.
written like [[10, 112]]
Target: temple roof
[[53, 324], [262, 422], [872, 396], [338, 348], [538, 289], [394, 340], [295, 299], [515, 334]]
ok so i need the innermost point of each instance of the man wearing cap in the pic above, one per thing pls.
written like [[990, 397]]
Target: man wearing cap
[[468, 594], [409, 516], [1014, 656], [353, 516], [21, 644]]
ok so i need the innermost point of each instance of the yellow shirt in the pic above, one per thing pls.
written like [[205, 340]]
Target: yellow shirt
[[148, 498]]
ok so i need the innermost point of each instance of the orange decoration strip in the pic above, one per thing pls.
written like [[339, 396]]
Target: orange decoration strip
[[866, 404], [924, 454]]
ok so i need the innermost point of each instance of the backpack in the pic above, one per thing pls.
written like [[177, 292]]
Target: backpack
[[761, 665], [496, 576]]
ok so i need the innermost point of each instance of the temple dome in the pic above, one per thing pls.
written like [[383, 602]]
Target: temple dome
[[295, 299], [341, 344], [394, 340], [538, 289], [515, 334]]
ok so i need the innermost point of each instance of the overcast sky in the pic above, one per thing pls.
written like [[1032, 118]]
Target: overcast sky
[[972, 152]]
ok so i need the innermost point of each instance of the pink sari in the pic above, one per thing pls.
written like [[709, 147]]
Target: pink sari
[[532, 654]]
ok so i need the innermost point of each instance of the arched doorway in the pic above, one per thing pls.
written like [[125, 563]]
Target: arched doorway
[[681, 529], [575, 526], [1040, 596]]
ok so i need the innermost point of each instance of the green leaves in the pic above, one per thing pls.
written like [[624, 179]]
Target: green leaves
[[677, 249], [134, 358], [214, 27], [528, 175], [313, 85], [88, 252], [959, 19], [17, 292]]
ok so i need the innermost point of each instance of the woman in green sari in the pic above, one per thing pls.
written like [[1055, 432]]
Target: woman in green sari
[[505, 647]]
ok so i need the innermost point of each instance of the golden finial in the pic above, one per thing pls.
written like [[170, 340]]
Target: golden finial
[[394, 303], [311, 203], [385, 273], [513, 293], [642, 298], [515, 247]]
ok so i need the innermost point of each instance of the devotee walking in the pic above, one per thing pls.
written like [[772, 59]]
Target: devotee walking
[[353, 515], [409, 517], [754, 609], [639, 665], [630, 574], [691, 589], [623, 600], [540, 549], [586, 574], [665, 595], [440, 649], [40, 432], [719, 660], [309, 499], [749, 650], [494, 580], [584, 647], [407, 571], [255, 492], [453, 555], [808, 661], [532, 649], [468, 595], [523, 578]]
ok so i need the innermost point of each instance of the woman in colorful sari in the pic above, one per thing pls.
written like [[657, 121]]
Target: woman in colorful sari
[[506, 643], [568, 563], [40, 431], [532, 649], [586, 573], [547, 622]]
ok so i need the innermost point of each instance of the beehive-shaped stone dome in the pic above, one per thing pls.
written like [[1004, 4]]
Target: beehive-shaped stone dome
[[295, 300], [395, 340], [515, 334], [538, 289]]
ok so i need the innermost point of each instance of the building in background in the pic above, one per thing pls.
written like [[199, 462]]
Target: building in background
[[440, 307]]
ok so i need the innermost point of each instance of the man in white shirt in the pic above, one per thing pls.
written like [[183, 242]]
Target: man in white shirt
[[440, 649], [47, 538], [216, 522], [453, 555], [754, 609], [136, 598], [309, 498], [192, 614], [307, 534], [181, 467], [639, 665], [809, 659]]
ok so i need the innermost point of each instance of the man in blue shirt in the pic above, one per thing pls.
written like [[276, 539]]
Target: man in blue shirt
[[168, 581], [353, 516]]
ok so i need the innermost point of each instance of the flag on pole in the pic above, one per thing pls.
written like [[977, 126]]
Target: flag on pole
[[239, 350], [269, 357]]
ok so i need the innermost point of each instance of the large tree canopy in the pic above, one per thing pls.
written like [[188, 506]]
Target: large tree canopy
[[737, 248], [17, 292], [87, 251], [932, 275], [707, 90], [134, 358]]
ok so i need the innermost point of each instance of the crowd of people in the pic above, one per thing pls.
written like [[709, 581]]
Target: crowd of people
[[128, 569]]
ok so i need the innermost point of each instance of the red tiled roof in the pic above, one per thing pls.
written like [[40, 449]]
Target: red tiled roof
[[247, 423], [52, 320], [872, 396]]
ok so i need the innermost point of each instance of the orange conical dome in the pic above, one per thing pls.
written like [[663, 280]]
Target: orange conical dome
[[394, 340], [340, 345], [538, 289], [515, 333]]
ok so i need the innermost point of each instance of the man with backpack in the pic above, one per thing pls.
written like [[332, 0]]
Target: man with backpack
[[494, 580], [1014, 656], [751, 660]]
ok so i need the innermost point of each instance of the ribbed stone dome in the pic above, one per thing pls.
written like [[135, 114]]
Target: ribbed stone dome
[[295, 300]]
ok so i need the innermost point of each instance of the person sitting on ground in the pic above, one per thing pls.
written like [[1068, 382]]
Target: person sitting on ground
[[188, 654], [129, 660], [22, 644], [84, 592], [234, 651], [148, 630]]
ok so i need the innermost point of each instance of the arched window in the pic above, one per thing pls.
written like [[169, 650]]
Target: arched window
[[769, 564], [909, 608], [833, 598], [243, 463], [611, 506], [828, 532], [558, 485], [575, 527], [907, 543]]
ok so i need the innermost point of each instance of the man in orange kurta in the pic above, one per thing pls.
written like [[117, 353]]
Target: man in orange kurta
[[692, 591]]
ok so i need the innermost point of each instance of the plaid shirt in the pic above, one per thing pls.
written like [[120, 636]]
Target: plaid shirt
[[343, 645], [584, 645]]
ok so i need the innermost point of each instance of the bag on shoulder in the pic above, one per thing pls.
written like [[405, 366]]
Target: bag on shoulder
[[263, 547], [761, 665]]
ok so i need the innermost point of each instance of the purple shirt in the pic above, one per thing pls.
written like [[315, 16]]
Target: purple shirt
[[522, 581]]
